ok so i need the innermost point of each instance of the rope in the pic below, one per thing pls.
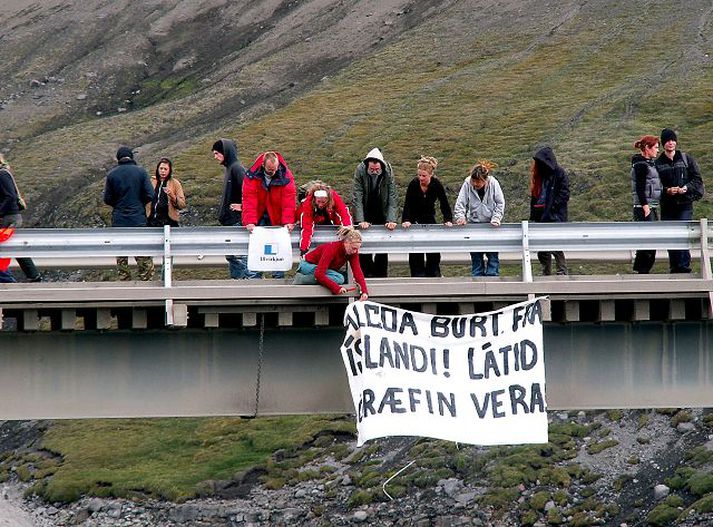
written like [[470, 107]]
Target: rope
[[383, 487], [260, 349]]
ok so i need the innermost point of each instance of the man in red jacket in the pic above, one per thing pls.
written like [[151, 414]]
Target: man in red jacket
[[269, 195]]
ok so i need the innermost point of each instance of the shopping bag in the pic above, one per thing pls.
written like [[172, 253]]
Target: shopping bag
[[269, 249]]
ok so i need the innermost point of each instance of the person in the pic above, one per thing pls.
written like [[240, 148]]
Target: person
[[322, 206], [6, 276], [225, 152], [128, 191], [549, 197], [322, 265], [374, 200], [420, 207], [481, 200], [681, 185], [269, 195], [11, 206], [646, 193], [168, 197]]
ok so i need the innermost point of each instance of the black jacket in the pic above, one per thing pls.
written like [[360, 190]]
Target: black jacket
[[556, 185], [232, 185], [8, 194], [420, 207], [681, 171], [128, 190]]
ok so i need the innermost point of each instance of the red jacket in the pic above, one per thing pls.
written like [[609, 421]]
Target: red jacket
[[278, 199], [5, 234], [308, 217], [333, 256]]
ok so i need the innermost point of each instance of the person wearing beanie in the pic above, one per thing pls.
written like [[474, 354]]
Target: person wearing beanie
[[128, 191], [374, 200], [681, 185], [230, 213]]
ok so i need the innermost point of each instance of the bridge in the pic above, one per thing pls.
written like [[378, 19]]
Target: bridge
[[219, 347]]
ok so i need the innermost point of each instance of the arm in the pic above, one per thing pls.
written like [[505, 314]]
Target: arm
[[640, 172], [341, 210], [147, 191], [358, 274], [320, 273], [559, 199], [358, 196], [289, 199], [393, 196], [249, 194], [445, 206], [407, 213], [694, 186], [7, 191], [108, 196], [461, 208], [307, 222], [179, 200], [499, 198]]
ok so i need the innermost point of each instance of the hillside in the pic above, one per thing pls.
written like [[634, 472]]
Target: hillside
[[324, 81]]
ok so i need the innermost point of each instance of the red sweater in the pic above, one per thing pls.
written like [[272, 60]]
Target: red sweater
[[333, 256], [308, 218]]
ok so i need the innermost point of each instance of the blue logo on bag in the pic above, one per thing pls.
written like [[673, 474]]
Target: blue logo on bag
[[270, 250]]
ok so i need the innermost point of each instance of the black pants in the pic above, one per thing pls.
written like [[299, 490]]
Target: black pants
[[374, 265], [545, 258], [644, 259], [430, 267], [678, 261]]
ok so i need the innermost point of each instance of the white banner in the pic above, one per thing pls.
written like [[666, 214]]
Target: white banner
[[476, 379], [269, 249]]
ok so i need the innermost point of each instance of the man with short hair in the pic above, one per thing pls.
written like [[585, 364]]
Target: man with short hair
[[225, 152], [682, 185], [128, 190], [374, 201], [269, 195]]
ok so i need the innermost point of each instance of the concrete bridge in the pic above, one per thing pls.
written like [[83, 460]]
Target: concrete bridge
[[214, 347]]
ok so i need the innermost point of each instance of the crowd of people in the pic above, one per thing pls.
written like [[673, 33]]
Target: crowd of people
[[664, 186]]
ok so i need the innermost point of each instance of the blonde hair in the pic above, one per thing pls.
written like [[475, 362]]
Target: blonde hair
[[3, 163], [349, 234], [482, 169], [427, 163], [320, 185]]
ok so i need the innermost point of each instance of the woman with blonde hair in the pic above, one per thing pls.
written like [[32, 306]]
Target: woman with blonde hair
[[322, 265], [481, 200], [322, 206], [420, 207]]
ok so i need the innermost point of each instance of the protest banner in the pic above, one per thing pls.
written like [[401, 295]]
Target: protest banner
[[477, 379]]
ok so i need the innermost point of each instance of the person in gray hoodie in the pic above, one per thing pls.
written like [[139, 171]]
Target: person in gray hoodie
[[374, 202], [481, 200]]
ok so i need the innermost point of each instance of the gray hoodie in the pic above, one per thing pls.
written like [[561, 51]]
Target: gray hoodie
[[470, 206]]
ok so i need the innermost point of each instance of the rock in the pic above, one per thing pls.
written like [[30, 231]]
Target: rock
[[685, 427], [95, 505], [465, 498], [450, 486], [300, 493], [346, 481], [360, 516], [81, 97], [661, 491], [34, 83], [549, 505]]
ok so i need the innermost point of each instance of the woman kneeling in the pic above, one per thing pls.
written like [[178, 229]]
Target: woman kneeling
[[322, 265]]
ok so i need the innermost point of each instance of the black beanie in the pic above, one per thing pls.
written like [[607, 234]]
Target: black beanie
[[666, 135], [124, 151], [218, 146]]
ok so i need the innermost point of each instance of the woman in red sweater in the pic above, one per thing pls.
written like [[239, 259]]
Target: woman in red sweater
[[322, 206], [322, 264]]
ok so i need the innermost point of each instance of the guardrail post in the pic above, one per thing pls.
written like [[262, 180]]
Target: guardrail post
[[706, 272], [167, 271], [526, 263]]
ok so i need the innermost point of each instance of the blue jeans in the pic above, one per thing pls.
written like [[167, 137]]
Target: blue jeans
[[6, 277], [478, 267], [306, 270], [238, 266]]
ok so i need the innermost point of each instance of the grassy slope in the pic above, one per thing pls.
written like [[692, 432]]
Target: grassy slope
[[480, 90]]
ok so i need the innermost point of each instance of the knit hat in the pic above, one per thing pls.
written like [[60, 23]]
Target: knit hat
[[124, 151], [667, 135], [218, 146]]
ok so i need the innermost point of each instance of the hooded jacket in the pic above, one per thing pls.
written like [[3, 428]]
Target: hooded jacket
[[556, 187], [387, 188], [470, 206], [308, 217], [278, 199], [232, 184], [128, 190]]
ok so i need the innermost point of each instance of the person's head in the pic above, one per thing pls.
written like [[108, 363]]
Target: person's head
[[321, 196], [669, 140], [649, 146], [480, 172], [426, 169], [164, 168], [219, 151], [351, 239], [124, 153], [270, 163]]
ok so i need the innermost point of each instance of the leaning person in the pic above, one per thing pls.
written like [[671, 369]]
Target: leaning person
[[646, 193], [323, 264], [322, 206], [481, 200], [420, 207]]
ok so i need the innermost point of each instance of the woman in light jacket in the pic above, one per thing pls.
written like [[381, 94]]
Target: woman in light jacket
[[481, 200], [168, 196]]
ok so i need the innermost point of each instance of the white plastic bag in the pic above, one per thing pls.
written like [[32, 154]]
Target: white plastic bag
[[269, 249]]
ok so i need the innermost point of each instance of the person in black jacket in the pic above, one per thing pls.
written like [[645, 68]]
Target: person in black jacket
[[230, 213], [549, 196], [420, 207], [128, 190], [646, 193], [10, 215], [682, 185]]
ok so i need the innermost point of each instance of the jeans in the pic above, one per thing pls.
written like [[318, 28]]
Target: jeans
[[431, 267], [644, 259], [305, 274], [238, 267], [478, 267], [678, 261], [6, 277]]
